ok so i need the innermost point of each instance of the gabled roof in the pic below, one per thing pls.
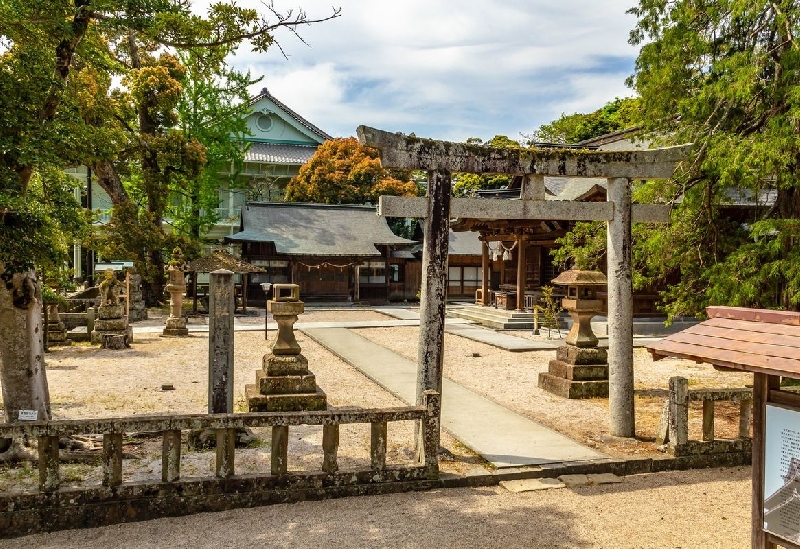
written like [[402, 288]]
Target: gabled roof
[[303, 122], [316, 229], [753, 340], [279, 153]]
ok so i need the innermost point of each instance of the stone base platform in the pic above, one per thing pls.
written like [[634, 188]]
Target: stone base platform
[[286, 402], [175, 327], [568, 388], [97, 335], [577, 372]]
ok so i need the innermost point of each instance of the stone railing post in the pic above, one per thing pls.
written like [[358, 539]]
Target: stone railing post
[[220, 343], [678, 411]]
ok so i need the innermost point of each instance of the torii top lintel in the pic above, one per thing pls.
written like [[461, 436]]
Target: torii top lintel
[[413, 153]]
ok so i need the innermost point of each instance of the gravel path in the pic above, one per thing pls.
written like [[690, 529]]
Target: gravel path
[[692, 509]]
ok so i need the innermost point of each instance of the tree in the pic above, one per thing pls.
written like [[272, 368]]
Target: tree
[[49, 123], [342, 171], [616, 115], [723, 75]]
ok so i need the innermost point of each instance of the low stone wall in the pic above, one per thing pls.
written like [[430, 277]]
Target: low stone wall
[[674, 428], [53, 507]]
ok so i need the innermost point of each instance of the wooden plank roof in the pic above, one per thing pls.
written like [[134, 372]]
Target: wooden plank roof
[[752, 340]]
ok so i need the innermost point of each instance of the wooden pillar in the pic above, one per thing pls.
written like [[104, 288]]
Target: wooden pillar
[[194, 291], [521, 272], [244, 292], [388, 255], [434, 288], [620, 311], [356, 283], [762, 384], [485, 273]]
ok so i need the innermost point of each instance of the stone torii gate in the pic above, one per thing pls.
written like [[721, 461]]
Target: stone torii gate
[[441, 158]]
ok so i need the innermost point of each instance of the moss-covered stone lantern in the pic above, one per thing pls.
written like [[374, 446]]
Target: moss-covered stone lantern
[[581, 303], [580, 369]]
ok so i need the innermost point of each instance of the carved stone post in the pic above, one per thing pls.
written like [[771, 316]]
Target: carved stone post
[[220, 343]]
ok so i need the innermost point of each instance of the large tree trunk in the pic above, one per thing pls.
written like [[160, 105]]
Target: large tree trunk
[[22, 368]]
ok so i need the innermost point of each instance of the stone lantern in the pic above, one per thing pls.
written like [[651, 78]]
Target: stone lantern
[[580, 369], [285, 384], [581, 303]]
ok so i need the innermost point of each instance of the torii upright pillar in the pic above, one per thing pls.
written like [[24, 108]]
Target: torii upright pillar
[[618, 167]]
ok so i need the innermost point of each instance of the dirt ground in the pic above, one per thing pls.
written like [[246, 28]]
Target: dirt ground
[[86, 382], [681, 509]]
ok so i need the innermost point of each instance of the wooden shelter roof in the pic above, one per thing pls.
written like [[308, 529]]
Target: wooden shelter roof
[[752, 340], [220, 259]]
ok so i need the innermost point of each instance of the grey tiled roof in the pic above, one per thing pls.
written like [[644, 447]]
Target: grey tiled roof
[[316, 229], [276, 153], [464, 243], [305, 123]]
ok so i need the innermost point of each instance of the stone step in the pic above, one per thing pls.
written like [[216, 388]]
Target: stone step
[[291, 402]]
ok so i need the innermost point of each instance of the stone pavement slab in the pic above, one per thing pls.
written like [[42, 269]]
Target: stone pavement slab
[[531, 484], [498, 339], [501, 436]]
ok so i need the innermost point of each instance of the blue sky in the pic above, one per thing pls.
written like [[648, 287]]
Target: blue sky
[[448, 70]]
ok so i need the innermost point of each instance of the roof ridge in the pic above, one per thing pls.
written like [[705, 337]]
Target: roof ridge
[[308, 125]]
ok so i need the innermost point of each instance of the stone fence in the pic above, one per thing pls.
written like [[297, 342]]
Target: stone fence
[[674, 427], [53, 507]]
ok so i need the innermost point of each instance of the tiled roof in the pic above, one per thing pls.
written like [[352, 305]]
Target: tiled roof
[[316, 229], [276, 153], [305, 123]]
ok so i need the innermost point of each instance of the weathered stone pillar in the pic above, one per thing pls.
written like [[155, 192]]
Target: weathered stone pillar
[[434, 288], [620, 310], [220, 343], [434, 284]]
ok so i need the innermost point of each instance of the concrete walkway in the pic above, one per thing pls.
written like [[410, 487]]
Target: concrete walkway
[[501, 436]]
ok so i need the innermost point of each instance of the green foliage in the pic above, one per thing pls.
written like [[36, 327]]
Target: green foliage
[[550, 309], [342, 171], [724, 75], [38, 227], [212, 109], [616, 115]]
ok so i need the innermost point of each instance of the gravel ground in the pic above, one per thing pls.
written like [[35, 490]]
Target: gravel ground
[[682, 509], [690, 509]]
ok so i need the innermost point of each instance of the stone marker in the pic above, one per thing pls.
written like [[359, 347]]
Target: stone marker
[[285, 384], [111, 319], [137, 308], [220, 343], [580, 369]]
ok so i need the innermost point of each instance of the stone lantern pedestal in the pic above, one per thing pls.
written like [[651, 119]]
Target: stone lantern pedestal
[[580, 369], [176, 323], [285, 384], [56, 332]]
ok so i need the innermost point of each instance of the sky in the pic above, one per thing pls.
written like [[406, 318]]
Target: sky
[[448, 69]]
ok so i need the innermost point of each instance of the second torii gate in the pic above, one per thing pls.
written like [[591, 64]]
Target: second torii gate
[[441, 158]]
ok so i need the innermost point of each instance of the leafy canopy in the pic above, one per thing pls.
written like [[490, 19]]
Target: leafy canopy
[[342, 171]]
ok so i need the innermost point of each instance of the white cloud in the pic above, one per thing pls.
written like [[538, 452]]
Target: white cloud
[[449, 70]]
